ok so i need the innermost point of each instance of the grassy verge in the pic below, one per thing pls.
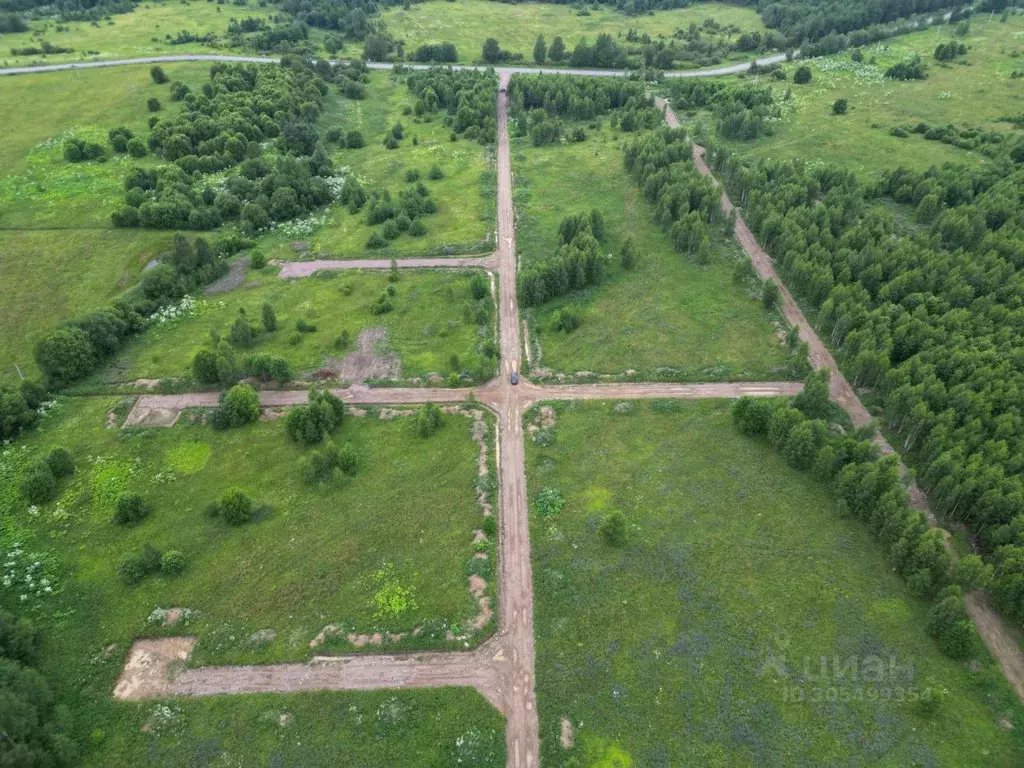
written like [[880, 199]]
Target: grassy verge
[[668, 317], [432, 330], [745, 621], [468, 23]]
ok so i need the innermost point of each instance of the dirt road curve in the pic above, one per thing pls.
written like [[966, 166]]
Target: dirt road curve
[[503, 71], [993, 631], [307, 268]]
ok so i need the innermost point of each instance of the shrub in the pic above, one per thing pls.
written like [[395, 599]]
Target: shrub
[[549, 501], [158, 75], [950, 625], [769, 294], [131, 569], [130, 508], [269, 316], [172, 563], [435, 173], [64, 355], [490, 526], [268, 367], [38, 485], [153, 104], [204, 367], [178, 91], [239, 406], [310, 424], [234, 507], [257, 260], [376, 241], [613, 528], [136, 148], [417, 228], [302, 326], [390, 142], [241, 334], [802, 76], [839, 106], [354, 140], [334, 135], [61, 463], [320, 465], [566, 319], [412, 175], [428, 419]]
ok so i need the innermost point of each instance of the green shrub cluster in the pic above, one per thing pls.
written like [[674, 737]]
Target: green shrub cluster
[[310, 424]]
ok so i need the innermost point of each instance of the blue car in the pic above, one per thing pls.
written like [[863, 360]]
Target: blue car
[[515, 377]]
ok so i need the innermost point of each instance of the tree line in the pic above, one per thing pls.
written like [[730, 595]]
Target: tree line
[[931, 317], [465, 97], [577, 263], [742, 111]]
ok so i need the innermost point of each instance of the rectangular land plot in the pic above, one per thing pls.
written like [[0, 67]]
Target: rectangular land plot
[[435, 328], [381, 729], [666, 318], [699, 642], [320, 555], [465, 196], [468, 23], [975, 91]]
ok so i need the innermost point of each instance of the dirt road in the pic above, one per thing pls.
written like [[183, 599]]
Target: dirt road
[[994, 632], [307, 268]]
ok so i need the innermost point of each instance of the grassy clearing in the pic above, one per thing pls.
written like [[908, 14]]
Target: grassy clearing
[[676, 648], [432, 321], [143, 32], [38, 187], [435, 728], [667, 313], [468, 23], [975, 93], [465, 197], [314, 559]]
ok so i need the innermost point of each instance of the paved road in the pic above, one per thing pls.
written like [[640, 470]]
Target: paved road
[[503, 71], [307, 268]]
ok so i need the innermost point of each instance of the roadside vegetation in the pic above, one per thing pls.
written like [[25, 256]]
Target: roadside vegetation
[[661, 642]]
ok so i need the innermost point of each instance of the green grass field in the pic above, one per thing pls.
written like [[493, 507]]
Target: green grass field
[[700, 641], [467, 23], [978, 93], [667, 313], [143, 32], [432, 321], [61, 256], [436, 728], [465, 197], [312, 560]]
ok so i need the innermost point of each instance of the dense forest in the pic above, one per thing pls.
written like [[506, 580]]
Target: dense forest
[[929, 316]]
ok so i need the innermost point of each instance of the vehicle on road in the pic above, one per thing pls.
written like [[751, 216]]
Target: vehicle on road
[[514, 378]]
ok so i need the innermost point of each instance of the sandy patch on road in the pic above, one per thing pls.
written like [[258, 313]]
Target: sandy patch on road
[[142, 416], [150, 666], [369, 360]]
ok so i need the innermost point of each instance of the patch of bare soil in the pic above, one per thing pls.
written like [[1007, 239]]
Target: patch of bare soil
[[485, 614], [146, 383], [567, 738], [232, 280], [329, 631], [477, 586], [151, 662], [545, 419], [142, 416], [111, 420], [369, 360], [387, 414], [273, 414]]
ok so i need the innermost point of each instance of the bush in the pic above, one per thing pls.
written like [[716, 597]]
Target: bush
[[549, 501], [802, 76], [310, 424], [428, 419], [839, 106], [61, 463], [417, 228], [354, 140], [234, 507], [566, 319], [158, 75], [153, 104], [131, 569], [333, 135], [130, 508], [239, 406], [320, 465], [302, 326], [376, 241], [613, 529], [64, 355], [435, 173], [950, 625], [38, 485], [268, 368], [269, 317], [172, 563], [770, 293], [412, 175], [136, 148], [204, 367]]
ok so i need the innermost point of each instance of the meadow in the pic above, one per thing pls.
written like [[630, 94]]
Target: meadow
[[433, 328], [315, 553], [746, 620], [668, 317], [465, 196], [467, 23], [146, 31], [370, 729], [975, 90]]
